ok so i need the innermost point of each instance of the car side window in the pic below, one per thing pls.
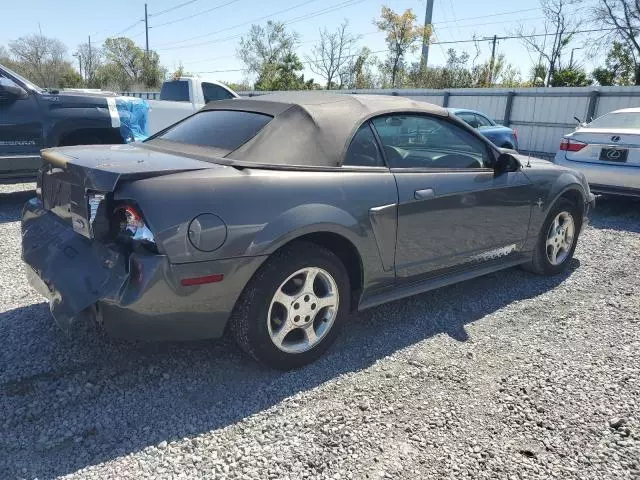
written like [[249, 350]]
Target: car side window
[[363, 150], [469, 118], [425, 141], [483, 121], [214, 92]]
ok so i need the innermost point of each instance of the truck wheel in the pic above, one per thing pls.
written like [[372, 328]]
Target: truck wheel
[[292, 309], [557, 239]]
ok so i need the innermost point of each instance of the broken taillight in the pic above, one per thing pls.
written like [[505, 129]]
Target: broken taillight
[[131, 224]]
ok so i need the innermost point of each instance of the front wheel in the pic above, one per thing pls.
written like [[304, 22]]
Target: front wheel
[[557, 239], [290, 312]]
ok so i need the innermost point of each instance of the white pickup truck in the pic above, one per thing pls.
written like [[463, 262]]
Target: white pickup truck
[[183, 96]]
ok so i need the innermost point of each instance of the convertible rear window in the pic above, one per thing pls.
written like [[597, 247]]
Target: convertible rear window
[[222, 129]]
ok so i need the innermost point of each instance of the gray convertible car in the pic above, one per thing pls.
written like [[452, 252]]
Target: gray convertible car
[[276, 217]]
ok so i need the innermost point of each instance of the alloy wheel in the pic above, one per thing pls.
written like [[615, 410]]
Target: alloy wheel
[[560, 238], [303, 310]]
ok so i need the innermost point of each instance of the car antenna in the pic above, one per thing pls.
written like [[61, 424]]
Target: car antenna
[[535, 100]]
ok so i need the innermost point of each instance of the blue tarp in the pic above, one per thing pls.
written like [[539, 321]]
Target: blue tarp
[[134, 118]]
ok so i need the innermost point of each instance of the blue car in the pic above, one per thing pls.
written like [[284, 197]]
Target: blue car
[[500, 135]]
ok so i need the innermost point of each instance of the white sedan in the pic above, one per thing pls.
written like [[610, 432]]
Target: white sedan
[[607, 151]]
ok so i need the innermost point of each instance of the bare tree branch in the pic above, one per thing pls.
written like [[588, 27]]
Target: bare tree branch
[[332, 53]]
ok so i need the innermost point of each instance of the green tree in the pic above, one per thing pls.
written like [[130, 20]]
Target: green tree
[[283, 75], [127, 65], [41, 59], [358, 73], [91, 58], [619, 69], [623, 17], [603, 76], [70, 79], [264, 48], [403, 34], [241, 86], [560, 25], [570, 77]]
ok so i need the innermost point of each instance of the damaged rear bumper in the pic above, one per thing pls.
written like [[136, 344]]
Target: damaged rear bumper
[[133, 295]]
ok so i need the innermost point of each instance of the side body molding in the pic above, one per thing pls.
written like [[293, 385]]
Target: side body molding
[[384, 222]]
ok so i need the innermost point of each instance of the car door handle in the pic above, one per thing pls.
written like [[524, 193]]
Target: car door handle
[[424, 194]]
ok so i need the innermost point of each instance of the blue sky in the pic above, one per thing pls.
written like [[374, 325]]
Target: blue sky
[[206, 41]]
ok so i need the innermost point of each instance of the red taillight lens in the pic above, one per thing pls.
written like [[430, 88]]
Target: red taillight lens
[[568, 145], [130, 221]]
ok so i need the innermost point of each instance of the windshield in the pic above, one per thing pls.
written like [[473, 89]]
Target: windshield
[[617, 120], [27, 83]]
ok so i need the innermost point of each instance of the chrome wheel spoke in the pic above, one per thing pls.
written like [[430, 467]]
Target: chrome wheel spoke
[[281, 334], [328, 301], [310, 335], [309, 280], [283, 299], [553, 255]]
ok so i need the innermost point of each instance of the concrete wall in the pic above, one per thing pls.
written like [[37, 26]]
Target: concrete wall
[[541, 115]]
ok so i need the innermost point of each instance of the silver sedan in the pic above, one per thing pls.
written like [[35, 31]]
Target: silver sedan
[[607, 151]]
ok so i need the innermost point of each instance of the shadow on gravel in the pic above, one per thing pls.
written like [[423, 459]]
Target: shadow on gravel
[[78, 400], [11, 204], [616, 213]]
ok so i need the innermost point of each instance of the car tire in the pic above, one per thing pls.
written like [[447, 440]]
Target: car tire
[[281, 296], [562, 222]]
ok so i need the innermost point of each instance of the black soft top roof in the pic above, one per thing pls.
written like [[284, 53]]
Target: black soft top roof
[[312, 128]]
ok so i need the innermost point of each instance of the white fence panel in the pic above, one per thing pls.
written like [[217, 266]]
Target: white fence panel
[[541, 115]]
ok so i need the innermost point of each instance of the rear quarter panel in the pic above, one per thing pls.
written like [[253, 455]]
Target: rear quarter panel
[[265, 209]]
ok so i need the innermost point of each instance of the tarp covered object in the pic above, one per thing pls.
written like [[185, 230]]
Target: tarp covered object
[[134, 118]]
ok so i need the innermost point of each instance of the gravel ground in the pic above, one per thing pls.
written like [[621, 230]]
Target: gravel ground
[[505, 377]]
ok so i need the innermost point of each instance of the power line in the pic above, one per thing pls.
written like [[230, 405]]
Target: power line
[[187, 17], [488, 16], [306, 16], [171, 9], [509, 37], [321, 12], [238, 25]]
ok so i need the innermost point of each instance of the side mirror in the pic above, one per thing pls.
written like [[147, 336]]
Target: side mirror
[[11, 91], [506, 163]]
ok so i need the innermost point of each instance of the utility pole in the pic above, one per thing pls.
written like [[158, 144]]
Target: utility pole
[[425, 38], [88, 67], [146, 29], [79, 57], [492, 61]]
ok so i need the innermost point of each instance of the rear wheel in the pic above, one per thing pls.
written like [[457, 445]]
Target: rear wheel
[[290, 312], [557, 239]]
